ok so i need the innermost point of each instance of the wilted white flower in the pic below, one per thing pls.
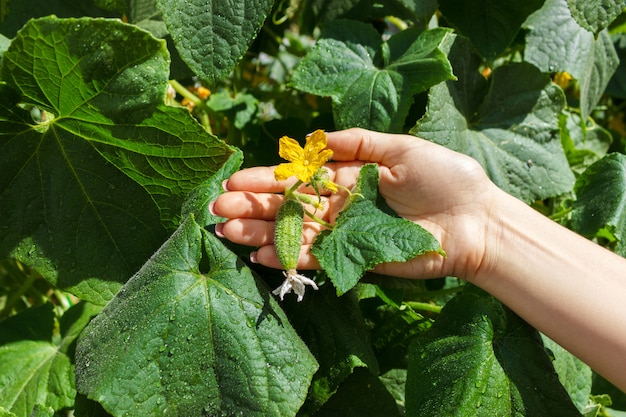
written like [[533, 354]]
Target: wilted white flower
[[294, 282]]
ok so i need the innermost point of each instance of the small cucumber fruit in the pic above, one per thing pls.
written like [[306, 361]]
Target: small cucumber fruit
[[288, 233]]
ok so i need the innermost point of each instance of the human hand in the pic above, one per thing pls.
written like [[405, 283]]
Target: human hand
[[445, 192]]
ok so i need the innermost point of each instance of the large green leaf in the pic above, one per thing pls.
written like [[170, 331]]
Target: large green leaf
[[617, 84], [508, 123], [600, 206], [596, 15], [575, 376], [556, 42], [193, 333], [367, 233], [95, 172], [36, 365], [480, 359], [583, 144], [372, 82], [213, 35], [490, 24]]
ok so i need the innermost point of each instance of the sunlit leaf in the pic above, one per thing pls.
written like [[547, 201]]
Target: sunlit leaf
[[481, 359], [366, 234], [212, 36], [372, 82], [600, 204], [509, 123], [596, 15], [556, 42], [194, 333], [95, 167]]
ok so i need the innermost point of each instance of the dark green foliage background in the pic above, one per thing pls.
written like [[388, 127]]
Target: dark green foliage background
[[117, 299]]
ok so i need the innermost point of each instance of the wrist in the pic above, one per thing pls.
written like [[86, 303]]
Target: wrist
[[504, 233]]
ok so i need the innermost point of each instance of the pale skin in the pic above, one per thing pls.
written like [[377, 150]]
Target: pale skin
[[568, 287]]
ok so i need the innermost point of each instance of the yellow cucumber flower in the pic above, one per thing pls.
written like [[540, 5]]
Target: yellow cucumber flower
[[303, 163]]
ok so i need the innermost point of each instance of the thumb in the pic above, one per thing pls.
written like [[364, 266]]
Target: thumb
[[358, 144]]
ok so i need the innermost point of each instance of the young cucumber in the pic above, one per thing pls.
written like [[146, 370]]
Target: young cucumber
[[288, 233]]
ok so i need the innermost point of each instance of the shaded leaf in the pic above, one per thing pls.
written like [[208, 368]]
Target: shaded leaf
[[372, 82], [15, 14], [95, 167], [556, 42], [366, 233], [36, 371], [212, 36], [361, 395], [338, 338], [600, 206], [617, 84], [582, 146], [193, 333], [509, 124], [491, 25], [481, 359]]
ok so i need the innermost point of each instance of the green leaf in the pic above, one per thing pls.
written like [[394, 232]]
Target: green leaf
[[600, 204], [366, 233], [372, 82], [596, 15], [573, 373], [212, 36], [617, 83], [37, 374], [193, 333], [95, 167], [582, 146], [338, 338], [490, 24], [556, 42], [197, 202], [395, 382], [481, 359], [508, 123]]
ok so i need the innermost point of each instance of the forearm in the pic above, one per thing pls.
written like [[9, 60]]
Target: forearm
[[566, 286]]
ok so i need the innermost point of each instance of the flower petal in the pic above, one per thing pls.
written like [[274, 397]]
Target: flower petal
[[290, 149], [284, 171], [315, 142]]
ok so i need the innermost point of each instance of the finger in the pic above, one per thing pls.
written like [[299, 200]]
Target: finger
[[264, 206], [266, 255], [364, 145], [257, 179], [247, 205], [254, 232]]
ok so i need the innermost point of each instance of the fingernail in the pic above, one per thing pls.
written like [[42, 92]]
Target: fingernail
[[225, 185], [212, 208], [219, 230], [253, 257]]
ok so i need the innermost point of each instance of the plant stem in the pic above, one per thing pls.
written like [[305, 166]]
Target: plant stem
[[17, 295], [318, 220], [180, 89], [420, 306], [289, 191]]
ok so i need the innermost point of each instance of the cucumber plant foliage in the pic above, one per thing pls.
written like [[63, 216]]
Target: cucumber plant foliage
[[120, 120]]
